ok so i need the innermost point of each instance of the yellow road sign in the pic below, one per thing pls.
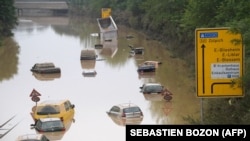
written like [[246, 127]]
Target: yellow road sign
[[106, 12], [219, 63]]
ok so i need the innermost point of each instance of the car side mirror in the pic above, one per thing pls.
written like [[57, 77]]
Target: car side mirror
[[108, 112], [32, 125]]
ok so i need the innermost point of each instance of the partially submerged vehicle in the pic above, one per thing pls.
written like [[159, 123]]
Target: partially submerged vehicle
[[136, 50], [88, 54], [155, 92], [146, 75], [98, 46], [62, 109], [149, 88], [146, 68], [45, 68], [89, 73], [108, 29], [125, 111], [155, 63], [49, 125]]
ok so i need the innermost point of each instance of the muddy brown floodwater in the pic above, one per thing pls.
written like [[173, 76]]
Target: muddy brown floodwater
[[60, 40]]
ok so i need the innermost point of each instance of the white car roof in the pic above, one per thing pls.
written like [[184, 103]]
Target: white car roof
[[147, 84], [51, 102], [50, 119], [124, 105]]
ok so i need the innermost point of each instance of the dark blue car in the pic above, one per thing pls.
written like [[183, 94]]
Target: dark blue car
[[146, 68]]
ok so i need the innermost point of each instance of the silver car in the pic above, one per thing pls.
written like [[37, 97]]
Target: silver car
[[49, 125], [125, 110], [151, 88]]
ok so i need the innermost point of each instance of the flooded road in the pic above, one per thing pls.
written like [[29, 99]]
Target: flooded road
[[60, 40]]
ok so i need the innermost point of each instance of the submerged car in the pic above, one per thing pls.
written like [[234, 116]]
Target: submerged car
[[154, 63], [155, 92], [150, 88], [32, 137], [126, 121], [125, 110], [49, 125], [146, 68], [62, 109], [56, 134], [136, 50], [47, 67], [89, 73], [88, 54]]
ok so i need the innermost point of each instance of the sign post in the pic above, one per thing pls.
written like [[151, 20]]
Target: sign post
[[219, 63], [35, 96]]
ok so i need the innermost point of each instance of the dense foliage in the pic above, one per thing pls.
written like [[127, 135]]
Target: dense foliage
[[8, 19], [178, 19]]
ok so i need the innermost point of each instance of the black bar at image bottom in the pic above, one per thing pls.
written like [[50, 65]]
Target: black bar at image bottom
[[163, 132]]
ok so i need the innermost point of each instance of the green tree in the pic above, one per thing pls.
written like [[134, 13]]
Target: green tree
[[8, 19]]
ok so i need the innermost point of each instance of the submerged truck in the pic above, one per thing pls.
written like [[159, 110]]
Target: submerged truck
[[108, 29]]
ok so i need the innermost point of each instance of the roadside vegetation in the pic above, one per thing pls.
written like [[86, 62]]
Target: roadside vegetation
[[171, 20], [8, 19], [8, 47]]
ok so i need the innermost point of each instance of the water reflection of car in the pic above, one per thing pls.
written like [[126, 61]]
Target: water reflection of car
[[46, 76], [32, 137], [146, 75], [88, 64], [62, 109], [126, 121], [125, 111]]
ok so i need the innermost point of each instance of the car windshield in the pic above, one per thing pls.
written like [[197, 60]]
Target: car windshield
[[132, 110], [49, 109], [153, 88], [52, 125]]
